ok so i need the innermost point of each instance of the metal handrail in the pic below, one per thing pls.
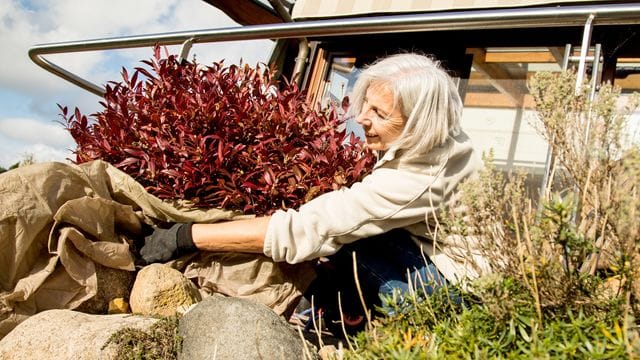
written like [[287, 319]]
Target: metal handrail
[[606, 14]]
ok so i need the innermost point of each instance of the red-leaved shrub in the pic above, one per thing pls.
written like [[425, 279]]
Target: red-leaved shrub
[[226, 137]]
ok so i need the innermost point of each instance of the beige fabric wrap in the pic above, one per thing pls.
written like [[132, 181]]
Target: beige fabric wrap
[[58, 220]]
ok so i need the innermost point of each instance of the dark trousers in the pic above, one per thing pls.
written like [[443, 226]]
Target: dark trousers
[[386, 264]]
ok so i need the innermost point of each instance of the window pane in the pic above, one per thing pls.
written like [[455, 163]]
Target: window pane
[[340, 80], [498, 109], [627, 77]]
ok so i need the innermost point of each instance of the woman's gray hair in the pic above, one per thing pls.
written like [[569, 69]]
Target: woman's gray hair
[[427, 96]]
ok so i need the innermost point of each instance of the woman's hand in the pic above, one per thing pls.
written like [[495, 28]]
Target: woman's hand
[[165, 244], [245, 236]]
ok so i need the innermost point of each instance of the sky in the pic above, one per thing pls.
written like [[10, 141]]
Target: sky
[[29, 115]]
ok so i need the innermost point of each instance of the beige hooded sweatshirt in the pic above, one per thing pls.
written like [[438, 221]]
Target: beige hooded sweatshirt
[[401, 192]]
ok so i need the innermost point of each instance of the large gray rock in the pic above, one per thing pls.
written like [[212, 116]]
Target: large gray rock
[[67, 334], [233, 328], [160, 290]]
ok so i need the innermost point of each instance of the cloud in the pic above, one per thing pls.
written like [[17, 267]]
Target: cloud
[[12, 152], [32, 131], [24, 24], [44, 153], [30, 94]]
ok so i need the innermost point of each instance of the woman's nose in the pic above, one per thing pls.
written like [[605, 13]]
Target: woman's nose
[[363, 118]]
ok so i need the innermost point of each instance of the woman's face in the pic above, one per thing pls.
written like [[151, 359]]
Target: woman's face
[[380, 117]]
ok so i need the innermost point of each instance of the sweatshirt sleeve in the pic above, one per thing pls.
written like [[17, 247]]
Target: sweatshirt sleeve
[[384, 200]]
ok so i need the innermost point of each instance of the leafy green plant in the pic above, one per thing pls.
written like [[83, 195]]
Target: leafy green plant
[[218, 136], [565, 268], [471, 330]]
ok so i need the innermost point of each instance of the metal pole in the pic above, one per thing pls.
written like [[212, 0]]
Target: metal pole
[[567, 56], [595, 70], [303, 44], [584, 49], [455, 20]]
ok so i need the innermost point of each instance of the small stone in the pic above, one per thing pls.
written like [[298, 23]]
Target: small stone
[[183, 309], [118, 306], [160, 290], [329, 352]]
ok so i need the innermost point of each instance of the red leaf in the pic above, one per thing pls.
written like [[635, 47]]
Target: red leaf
[[126, 162], [171, 173], [269, 178], [134, 152], [220, 154], [250, 185]]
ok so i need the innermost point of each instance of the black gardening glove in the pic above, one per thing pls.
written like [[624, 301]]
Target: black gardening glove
[[165, 244]]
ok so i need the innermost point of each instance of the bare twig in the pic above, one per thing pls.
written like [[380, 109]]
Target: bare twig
[[344, 329], [355, 276]]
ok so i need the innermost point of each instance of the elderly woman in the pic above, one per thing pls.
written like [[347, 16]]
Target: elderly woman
[[410, 111]]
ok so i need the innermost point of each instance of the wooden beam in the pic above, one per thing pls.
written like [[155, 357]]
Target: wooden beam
[[246, 12], [558, 54], [519, 57], [631, 82], [628, 60], [493, 72], [494, 100], [554, 55]]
